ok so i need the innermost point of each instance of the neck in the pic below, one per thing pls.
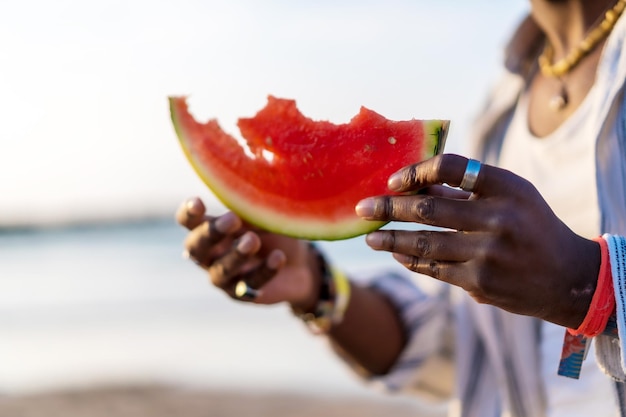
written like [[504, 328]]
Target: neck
[[566, 22]]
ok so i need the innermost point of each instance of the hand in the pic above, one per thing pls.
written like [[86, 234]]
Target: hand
[[231, 251], [504, 245]]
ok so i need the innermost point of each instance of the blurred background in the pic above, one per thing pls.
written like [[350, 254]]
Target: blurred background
[[93, 289]]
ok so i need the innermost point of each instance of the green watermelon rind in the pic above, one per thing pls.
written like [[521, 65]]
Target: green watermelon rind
[[304, 227]]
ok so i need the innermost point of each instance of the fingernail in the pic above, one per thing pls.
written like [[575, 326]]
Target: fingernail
[[246, 244], [193, 206], [227, 223], [275, 259], [374, 240], [394, 183], [365, 208]]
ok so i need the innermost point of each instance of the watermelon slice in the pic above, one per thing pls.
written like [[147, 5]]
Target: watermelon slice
[[300, 177]]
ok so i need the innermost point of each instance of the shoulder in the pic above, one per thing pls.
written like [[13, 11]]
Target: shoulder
[[523, 47], [612, 65]]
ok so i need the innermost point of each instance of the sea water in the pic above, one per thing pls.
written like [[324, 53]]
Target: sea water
[[117, 303]]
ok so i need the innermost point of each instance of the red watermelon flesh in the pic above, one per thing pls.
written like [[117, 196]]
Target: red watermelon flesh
[[301, 177]]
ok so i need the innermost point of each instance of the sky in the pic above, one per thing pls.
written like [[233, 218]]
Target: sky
[[85, 131]]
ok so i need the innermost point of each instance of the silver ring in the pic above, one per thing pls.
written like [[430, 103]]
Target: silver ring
[[471, 175], [244, 292]]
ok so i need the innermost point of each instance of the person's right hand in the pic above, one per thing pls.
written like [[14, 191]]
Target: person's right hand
[[280, 267]]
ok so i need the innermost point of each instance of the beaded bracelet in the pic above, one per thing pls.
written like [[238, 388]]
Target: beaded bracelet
[[333, 299]]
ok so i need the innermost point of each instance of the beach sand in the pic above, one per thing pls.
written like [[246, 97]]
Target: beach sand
[[166, 401]]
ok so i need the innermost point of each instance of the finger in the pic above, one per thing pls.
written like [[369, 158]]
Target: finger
[[190, 214], [260, 276], [454, 273], [450, 169], [454, 214], [228, 269], [200, 243], [446, 192], [443, 246], [256, 278]]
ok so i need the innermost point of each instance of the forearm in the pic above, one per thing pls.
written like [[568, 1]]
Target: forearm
[[371, 333], [392, 329]]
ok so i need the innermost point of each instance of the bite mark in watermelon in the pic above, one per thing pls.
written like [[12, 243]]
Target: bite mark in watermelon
[[301, 177]]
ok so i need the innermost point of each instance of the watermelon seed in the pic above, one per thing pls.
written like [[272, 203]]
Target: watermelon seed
[[392, 140]]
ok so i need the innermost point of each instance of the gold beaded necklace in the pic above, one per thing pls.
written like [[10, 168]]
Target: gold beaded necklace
[[565, 65]]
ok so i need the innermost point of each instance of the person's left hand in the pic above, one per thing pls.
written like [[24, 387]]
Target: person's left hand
[[502, 244]]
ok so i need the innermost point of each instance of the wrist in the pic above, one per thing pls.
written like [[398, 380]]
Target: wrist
[[332, 292], [599, 310], [314, 271], [600, 303], [577, 295]]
